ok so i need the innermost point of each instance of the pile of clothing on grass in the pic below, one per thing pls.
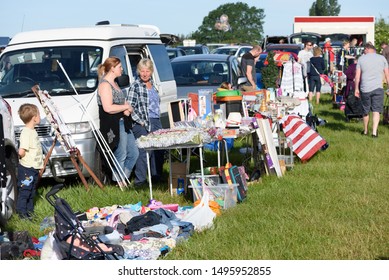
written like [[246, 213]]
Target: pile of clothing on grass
[[144, 232]]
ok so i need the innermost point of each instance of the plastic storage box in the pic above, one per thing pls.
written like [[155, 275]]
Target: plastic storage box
[[225, 195], [209, 179]]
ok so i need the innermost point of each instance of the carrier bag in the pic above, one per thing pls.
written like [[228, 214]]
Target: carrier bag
[[201, 216]]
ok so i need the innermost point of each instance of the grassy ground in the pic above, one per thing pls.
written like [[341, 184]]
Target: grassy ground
[[333, 207]]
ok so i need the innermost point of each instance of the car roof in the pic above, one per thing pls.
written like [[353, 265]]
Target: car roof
[[203, 57], [305, 33], [190, 47], [172, 49], [235, 47]]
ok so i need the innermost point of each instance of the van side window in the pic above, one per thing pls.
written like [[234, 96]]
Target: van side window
[[134, 60], [161, 62], [120, 52]]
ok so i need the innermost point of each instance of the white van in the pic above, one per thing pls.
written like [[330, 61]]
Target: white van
[[32, 57]]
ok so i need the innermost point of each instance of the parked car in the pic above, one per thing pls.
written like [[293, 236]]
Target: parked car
[[212, 46], [302, 37], [274, 40], [207, 71], [175, 52], [236, 50], [8, 166], [196, 49], [292, 48]]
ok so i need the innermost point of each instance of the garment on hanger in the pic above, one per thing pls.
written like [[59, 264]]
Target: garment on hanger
[[292, 77]]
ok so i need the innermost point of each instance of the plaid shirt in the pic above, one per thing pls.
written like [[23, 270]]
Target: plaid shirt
[[139, 100]]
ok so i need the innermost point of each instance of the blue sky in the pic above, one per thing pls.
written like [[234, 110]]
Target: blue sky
[[171, 16]]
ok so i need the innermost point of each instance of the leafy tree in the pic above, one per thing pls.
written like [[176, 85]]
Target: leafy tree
[[381, 29], [243, 25], [324, 8]]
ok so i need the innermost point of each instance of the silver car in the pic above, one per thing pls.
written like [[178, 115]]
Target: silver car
[[8, 166], [205, 71]]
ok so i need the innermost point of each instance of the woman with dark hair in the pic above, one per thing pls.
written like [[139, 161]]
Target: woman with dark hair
[[115, 120], [350, 74], [317, 68]]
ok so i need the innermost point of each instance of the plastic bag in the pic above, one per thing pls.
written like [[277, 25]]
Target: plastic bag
[[202, 215], [51, 249]]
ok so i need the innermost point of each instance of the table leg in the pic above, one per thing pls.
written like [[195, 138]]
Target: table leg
[[201, 165], [170, 173], [218, 152], [149, 172]]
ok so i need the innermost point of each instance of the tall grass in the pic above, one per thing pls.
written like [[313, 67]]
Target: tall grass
[[333, 207]]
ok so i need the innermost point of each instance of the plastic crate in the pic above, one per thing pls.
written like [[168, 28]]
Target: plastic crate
[[225, 195], [209, 179]]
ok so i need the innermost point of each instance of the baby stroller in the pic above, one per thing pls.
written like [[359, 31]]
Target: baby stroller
[[353, 108], [75, 241]]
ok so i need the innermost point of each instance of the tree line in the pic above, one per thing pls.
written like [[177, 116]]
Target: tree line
[[239, 23]]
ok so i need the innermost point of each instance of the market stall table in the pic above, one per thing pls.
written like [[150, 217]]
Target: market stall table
[[169, 149]]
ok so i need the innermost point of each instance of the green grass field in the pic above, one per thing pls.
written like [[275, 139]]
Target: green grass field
[[334, 207]]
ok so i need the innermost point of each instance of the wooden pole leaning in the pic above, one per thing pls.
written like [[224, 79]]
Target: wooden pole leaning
[[67, 141]]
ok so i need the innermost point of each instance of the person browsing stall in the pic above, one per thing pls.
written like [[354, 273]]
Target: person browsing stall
[[368, 86], [115, 121], [385, 51], [330, 55], [317, 68], [144, 98], [31, 160], [248, 67], [303, 58], [344, 56]]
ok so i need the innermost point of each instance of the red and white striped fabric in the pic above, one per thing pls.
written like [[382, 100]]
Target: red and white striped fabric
[[306, 142]]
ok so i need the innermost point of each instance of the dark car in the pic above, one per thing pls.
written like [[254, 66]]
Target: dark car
[[175, 52], [206, 71], [274, 40], [196, 49], [292, 48]]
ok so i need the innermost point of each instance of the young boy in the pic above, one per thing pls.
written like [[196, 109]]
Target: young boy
[[31, 160]]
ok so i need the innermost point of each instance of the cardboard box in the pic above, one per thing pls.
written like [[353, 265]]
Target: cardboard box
[[178, 168]]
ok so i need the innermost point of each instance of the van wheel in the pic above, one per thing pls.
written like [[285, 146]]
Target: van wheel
[[11, 189], [100, 169]]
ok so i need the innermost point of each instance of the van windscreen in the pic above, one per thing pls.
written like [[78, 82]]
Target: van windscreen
[[22, 69]]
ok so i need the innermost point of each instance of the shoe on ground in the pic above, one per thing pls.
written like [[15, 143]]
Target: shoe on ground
[[140, 184], [23, 216]]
